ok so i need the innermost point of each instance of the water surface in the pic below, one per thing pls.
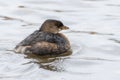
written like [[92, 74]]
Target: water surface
[[94, 35]]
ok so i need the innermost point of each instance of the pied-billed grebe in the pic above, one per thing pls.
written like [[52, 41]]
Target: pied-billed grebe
[[45, 41]]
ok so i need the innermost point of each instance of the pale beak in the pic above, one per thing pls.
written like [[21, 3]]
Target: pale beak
[[64, 28]]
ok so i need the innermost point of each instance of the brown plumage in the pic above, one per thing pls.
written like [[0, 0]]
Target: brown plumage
[[45, 41]]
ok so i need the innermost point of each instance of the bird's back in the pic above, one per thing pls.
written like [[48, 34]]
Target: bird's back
[[36, 36]]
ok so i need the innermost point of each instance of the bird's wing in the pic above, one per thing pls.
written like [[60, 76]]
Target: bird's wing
[[30, 39]]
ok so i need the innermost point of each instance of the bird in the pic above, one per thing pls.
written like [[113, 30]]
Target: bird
[[47, 40]]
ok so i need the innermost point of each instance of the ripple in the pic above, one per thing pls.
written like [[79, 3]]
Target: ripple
[[89, 32], [20, 20], [115, 5], [115, 40]]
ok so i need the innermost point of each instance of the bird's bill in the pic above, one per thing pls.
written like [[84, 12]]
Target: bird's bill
[[64, 28]]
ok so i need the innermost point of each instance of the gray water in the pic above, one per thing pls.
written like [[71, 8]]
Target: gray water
[[94, 35]]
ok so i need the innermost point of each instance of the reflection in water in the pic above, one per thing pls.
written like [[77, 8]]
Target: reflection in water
[[49, 62]]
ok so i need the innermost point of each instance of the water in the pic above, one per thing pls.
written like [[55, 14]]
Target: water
[[94, 35]]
